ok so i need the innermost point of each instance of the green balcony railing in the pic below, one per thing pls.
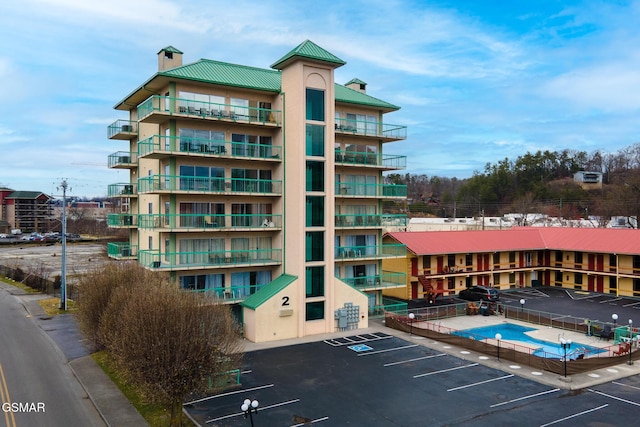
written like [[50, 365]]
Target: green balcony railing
[[179, 145], [367, 128], [122, 158], [208, 259], [201, 222], [394, 220], [368, 220], [122, 129], [195, 184], [388, 279], [121, 250], [390, 250], [122, 190], [356, 189], [229, 293], [357, 158], [122, 220], [187, 107]]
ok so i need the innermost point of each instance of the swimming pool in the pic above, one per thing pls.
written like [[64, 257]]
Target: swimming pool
[[513, 332]]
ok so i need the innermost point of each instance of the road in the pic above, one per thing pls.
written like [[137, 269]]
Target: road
[[35, 374]]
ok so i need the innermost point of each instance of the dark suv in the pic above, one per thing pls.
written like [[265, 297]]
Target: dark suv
[[479, 293]]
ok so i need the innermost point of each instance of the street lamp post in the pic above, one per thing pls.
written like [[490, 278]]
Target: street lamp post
[[615, 320], [498, 338], [411, 317], [566, 344], [249, 407], [630, 362], [522, 301]]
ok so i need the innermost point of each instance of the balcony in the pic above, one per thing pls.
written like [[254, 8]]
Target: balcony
[[368, 220], [122, 220], [229, 294], [354, 253], [160, 146], [122, 129], [210, 222], [387, 279], [123, 160], [122, 190], [379, 161], [122, 250], [359, 190], [206, 185], [209, 259], [159, 109], [378, 130]]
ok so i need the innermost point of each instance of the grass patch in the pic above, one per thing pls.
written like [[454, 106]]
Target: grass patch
[[52, 306], [19, 285], [155, 415]]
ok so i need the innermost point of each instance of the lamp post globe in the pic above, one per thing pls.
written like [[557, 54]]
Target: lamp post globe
[[411, 317], [615, 319], [249, 407], [498, 338], [522, 301]]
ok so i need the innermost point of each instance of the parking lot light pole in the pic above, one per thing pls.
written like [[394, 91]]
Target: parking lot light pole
[[250, 407], [411, 317], [566, 344], [630, 362], [498, 338], [615, 320], [522, 301]]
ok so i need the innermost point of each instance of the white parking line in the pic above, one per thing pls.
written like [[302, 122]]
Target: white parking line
[[574, 415], [311, 422], [609, 300], [224, 417], [625, 385], [445, 370], [480, 383], [614, 397], [631, 304], [524, 397], [414, 360], [228, 394], [389, 349]]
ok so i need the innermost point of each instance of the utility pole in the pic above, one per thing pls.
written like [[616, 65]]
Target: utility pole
[[63, 273]]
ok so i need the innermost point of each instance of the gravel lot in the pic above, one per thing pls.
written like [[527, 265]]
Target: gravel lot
[[31, 257]]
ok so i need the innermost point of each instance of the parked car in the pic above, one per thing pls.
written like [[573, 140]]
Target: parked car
[[3, 236], [479, 293]]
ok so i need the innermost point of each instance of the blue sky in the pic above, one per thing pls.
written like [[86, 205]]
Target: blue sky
[[477, 80]]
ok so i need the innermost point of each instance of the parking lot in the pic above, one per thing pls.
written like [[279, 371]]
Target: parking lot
[[377, 379], [381, 377]]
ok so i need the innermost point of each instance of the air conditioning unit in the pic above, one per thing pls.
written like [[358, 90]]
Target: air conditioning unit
[[127, 128]]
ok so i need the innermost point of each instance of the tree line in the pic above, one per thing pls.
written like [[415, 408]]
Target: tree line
[[540, 182]]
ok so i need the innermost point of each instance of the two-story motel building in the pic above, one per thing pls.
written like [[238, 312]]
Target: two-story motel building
[[440, 263], [262, 187]]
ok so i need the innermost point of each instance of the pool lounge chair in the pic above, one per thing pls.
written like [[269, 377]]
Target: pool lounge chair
[[606, 333]]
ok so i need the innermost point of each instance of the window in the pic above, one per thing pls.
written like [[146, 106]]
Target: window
[[315, 176], [636, 285], [315, 105], [314, 310], [613, 283], [512, 259], [315, 211], [314, 246], [613, 262], [315, 140], [578, 259], [577, 278], [496, 258], [314, 282], [496, 279]]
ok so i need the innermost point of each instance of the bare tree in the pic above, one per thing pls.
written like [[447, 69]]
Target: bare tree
[[167, 341]]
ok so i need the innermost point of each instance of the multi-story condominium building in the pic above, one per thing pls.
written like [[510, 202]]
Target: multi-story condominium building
[[25, 210], [439, 263], [262, 187]]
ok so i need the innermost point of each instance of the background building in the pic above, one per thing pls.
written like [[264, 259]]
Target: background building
[[263, 187], [25, 210]]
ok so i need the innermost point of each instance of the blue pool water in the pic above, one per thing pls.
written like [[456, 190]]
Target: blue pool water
[[512, 332]]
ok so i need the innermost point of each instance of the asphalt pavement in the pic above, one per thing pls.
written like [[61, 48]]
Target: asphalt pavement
[[114, 408]]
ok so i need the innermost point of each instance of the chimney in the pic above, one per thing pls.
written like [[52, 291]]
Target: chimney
[[357, 84], [168, 58]]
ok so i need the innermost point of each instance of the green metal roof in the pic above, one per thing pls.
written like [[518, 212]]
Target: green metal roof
[[223, 73], [170, 49], [309, 50], [350, 96], [356, 80], [26, 195], [268, 291]]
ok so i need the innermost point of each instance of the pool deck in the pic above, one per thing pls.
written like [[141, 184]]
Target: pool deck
[[572, 382]]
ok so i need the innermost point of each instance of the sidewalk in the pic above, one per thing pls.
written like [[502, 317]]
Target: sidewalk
[[113, 406]]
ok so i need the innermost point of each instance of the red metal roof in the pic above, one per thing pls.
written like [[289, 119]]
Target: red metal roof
[[600, 240]]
